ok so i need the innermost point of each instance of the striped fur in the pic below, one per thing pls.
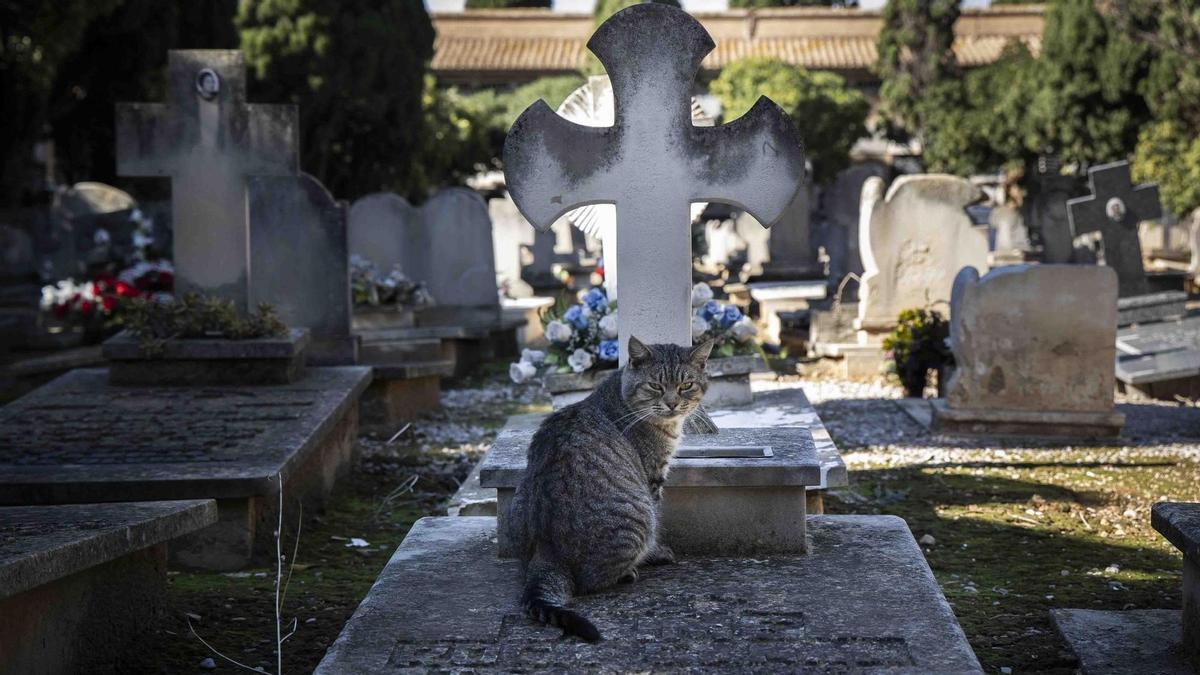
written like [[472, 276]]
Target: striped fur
[[585, 516]]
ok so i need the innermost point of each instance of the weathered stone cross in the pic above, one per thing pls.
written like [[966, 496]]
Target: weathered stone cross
[[1114, 210], [209, 141], [652, 163]]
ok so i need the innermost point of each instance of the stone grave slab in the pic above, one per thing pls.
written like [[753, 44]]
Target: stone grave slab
[[1119, 643], [1151, 307], [81, 585], [1180, 524], [914, 240], [1033, 346], [300, 263], [865, 601], [775, 297], [209, 141], [728, 384], [1160, 360], [401, 392], [80, 439], [722, 500]]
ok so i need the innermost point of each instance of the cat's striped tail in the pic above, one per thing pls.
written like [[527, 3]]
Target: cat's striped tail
[[547, 589]]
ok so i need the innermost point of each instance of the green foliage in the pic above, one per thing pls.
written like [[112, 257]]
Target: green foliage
[[755, 4], [831, 115], [502, 4], [194, 316], [1087, 107], [356, 68], [915, 55], [1169, 155], [493, 111], [606, 8], [918, 344]]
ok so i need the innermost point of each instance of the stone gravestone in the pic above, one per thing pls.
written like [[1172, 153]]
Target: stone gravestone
[[653, 163], [1012, 237], [792, 255], [1033, 347], [91, 223], [1045, 211], [1114, 209], [838, 233], [510, 233], [1162, 359], [914, 240], [299, 262], [209, 141]]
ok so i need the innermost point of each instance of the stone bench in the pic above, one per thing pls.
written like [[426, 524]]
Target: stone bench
[[80, 439], [81, 585], [864, 600], [1145, 640]]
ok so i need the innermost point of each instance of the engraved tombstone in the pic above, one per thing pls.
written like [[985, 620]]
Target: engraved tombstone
[[652, 163], [1114, 209], [209, 141]]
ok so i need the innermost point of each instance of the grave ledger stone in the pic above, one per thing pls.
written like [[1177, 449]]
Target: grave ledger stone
[[1034, 347], [1160, 360], [209, 141], [82, 585], [652, 163]]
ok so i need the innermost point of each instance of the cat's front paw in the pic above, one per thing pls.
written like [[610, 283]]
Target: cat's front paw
[[630, 577], [661, 555]]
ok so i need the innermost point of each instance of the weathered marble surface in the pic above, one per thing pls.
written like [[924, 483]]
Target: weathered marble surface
[[1120, 643], [914, 239], [79, 439], [864, 600], [652, 163], [40, 544]]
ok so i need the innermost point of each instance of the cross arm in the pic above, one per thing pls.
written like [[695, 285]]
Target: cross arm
[[755, 163], [144, 131], [1085, 214], [553, 165]]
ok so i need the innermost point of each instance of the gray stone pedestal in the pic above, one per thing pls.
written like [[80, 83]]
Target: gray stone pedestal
[[863, 601], [81, 585], [728, 384], [80, 439]]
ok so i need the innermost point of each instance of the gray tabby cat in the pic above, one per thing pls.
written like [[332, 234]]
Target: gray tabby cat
[[585, 515]]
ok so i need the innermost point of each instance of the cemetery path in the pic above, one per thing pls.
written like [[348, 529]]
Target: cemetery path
[[1012, 531], [343, 549]]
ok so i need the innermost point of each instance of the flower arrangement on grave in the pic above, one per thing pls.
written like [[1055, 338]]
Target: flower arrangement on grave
[[371, 288], [193, 316], [99, 305], [918, 344], [582, 336]]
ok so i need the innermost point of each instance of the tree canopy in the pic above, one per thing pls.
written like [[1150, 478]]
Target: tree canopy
[[915, 57]]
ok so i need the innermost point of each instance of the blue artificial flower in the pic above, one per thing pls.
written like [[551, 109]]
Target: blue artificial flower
[[730, 316], [710, 310], [575, 317], [609, 350], [596, 301]]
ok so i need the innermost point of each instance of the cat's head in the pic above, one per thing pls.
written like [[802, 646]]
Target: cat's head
[[667, 381]]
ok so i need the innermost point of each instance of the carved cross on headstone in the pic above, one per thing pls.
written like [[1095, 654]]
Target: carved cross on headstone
[[1114, 210], [652, 163], [209, 141]]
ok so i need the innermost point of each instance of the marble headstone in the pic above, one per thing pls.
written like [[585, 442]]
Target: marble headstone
[[914, 240], [510, 233], [653, 163], [299, 262], [209, 141], [837, 232]]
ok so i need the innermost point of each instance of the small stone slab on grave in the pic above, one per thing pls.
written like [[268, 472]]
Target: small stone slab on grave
[[774, 297], [867, 602], [400, 392], [729, 382], [1120, 643], [81, 585], [1180, 524], [1161, 306], [216, 361], [81, 439], [736, 491], [1160, 360]]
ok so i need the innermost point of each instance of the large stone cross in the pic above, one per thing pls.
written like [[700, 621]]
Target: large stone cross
[[652, 163], [1114, 209], [209, 141]]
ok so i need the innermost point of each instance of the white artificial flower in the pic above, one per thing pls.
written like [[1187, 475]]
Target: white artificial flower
[[701, 293], [699, 326], [580, 360], [744, 329], [534, 356], [521, 371], [49, 297], [608, 326], [557, 331]]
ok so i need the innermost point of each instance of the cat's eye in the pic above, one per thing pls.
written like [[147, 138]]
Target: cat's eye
[[652, 386], [687, 386]]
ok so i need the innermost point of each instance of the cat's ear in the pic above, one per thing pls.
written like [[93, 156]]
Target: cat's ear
[[639, 353], [698, 354]]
